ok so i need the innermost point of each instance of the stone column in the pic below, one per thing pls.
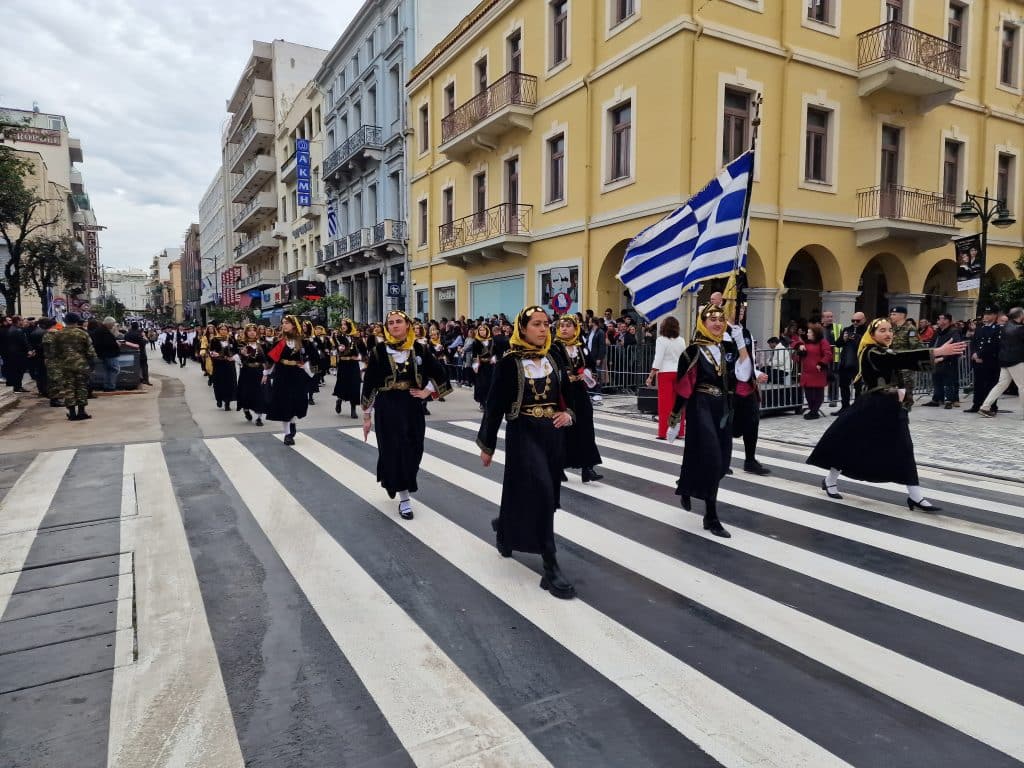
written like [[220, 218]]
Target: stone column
[[912, 301], [842, 304], [358, 291], [373, 297], [762, 313], [961, 309], [345, 288]]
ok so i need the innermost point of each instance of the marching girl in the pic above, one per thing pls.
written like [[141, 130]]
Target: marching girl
[[208, 335], [289, 371], [323, 344], [182, 345], [222, 351], [253, 360], [705, 387], [877, 419], [436, 346], [312, 358], [167, 347], [581, 444], [350, 350], [528, 392], [395, 383], [483, 363]]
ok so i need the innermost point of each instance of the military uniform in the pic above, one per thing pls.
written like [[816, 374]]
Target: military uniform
[[986, 373], [75, 355], [55, 384], [905, 337]]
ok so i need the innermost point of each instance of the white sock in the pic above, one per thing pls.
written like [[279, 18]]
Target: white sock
[[403, 496], [833, 478], [915, 493], [287, 428]]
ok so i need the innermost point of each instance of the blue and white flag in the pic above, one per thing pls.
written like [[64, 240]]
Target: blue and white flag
[[694, 243], [332, 220]]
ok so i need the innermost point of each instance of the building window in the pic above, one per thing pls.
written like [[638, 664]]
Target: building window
[[370, 48], [622, 10], [447, 212], [556, 168], [393, 23], [396, 94], [559, 32], [736, 121], [479, 199], [816, 150], [424, 128], [1008, 56], [449, 98], [621, 130], [515, 51], [1006, 172], [951, 170], [956, 29], [341, 82], [330, 142], [330, 98], [355, 65], [421, 208], [481, 75], [821, 11]]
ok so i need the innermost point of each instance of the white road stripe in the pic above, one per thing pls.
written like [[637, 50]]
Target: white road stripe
[[170, 707], [437, 712], [22, 511], [1001, 508], [954, 614], [985, 716], [727, 727]]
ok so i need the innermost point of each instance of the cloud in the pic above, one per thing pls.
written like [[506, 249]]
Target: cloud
[[143, 85]]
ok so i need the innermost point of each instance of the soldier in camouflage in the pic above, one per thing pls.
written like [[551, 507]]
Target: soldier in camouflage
[[904, 337], [75, 356], [55, 385]]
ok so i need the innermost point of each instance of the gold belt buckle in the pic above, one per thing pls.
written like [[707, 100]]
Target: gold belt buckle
[[541, 411]]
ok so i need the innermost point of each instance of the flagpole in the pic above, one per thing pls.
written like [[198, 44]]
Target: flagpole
[[755, 125]]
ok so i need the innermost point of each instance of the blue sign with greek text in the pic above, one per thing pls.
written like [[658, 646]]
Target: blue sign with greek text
[[304, 188]]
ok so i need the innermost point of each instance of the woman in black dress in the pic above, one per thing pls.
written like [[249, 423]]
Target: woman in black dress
[[222, 351], [312, 358], [250, 376], [705, 386], [395, 383], [289, 372], [870, 441], [528, 392], [483, 363], [581, 443], [182, 346], [349, 351]]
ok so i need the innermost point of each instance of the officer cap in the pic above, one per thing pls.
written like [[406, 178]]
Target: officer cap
[[990, 311], [72, 318], [901, 310]]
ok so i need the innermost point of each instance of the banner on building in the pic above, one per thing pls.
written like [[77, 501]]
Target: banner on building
[[92, 253], [304, 183], [229, 286], [970, 262]]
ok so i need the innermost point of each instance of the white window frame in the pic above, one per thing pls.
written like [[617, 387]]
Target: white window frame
[[908, 14], [423, 238], [620, 97], [822, 102], [516, 26], [965, 161], [965, 46], [830, 27], [555, 130], [751, 5], [1006, 19], [422, 143], [739, 81], [1013, 198], [611, 28], [550, 68]]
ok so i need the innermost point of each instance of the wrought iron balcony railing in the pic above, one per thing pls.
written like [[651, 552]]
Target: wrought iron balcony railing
[[905, 204], [498, 220], [893, 40], [513, 88], [365, 136], [389, 229]]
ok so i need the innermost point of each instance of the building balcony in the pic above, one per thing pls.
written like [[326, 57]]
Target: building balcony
[[259, 67], [257, 105], [257, 281], [509, 103], [926, 218], [256, 139], [262, 208], [901, 59], [256, 247], [363, 146], [288, 168], [379, 242], [314, 211], [77, 184], [487, 235], [257, 173], [75, 150]]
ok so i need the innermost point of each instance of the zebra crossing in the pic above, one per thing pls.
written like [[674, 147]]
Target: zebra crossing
[[230, 601]]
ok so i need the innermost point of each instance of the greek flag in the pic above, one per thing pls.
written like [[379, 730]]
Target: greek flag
[[694, 243], [332, 220]]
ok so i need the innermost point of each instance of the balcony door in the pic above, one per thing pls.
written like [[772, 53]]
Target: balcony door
[[515, 65], [895, 43], [889, 184], [512, 194], [894, 11]]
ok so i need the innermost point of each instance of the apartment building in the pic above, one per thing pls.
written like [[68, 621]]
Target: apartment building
[[271, 80], [128, 286], [190, 272], [160, 288], [545, 135], [213, 248]]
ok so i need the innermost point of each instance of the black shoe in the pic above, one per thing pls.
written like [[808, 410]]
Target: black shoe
[[292, 429], [248, 415], [82, 414], [810, 415], [426, 411], [311, 400], [590, 475], [948, 406], [209, 381], [55, 403], [337, 407], [564, 478], [72, 416], [685, 502], [831, 494], [259, 422], [499, 542], [554, 582], [405, 510], [227, 406], [714, 526], [289, 440], [971, 410], [728, 470], [924, 505], [931, 404], [755, 467], [20, 389], [219, 405], [238, 406], [354, 415]]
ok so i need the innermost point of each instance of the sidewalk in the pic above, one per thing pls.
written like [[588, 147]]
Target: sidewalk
[[943, 439]]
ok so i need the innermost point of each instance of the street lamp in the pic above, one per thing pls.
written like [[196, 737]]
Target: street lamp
[[989, 209]]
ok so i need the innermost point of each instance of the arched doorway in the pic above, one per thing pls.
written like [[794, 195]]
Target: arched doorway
[[610, 292], [882, 275], [939, 288], [999, 274], [803, 287]]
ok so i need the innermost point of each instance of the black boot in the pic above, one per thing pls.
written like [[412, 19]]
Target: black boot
[[248, 415], [684, 501], [72, 416], [311, 400], [353, 414], [227, 406], [238, 406], [337, 406], [259, 420], [499, 542], [82, 414], [711, 522], [589, 475], [553, 580]]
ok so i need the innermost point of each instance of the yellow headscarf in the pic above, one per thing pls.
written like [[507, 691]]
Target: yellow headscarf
[[486, 328], [410, 336], [702, 335], [576, 337], [867, 341], [520, 346]]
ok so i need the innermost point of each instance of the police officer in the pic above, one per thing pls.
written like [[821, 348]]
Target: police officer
[[75, 356], [904, 337], [985, 358]]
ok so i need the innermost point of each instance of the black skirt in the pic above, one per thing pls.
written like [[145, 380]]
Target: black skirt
[[531, 489], [581, 443], [250, 389], [349, 384], [869, 441], [707, 450], [289, 397], [400, 427], [484, 376], [225, 380]]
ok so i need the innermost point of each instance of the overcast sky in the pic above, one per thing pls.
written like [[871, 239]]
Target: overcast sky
[[143, 85]]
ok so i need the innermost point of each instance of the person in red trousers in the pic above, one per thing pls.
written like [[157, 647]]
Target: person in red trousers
[[667, 349]]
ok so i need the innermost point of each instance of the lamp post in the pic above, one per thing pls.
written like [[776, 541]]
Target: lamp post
[[989, 209]]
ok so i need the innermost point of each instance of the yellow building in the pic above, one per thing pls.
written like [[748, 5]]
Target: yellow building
[[545, 135]]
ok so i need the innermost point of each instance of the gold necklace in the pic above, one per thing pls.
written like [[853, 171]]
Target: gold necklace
[[718, 365], [540, 397]]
